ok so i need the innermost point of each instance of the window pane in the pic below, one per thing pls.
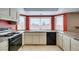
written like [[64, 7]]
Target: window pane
[[34, 23], [45, 23], [40, 23], [21, 23], [59, 22]]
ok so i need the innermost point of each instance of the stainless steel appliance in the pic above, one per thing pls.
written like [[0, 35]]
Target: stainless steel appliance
[[4, 31], [15, 42], [14, 38]]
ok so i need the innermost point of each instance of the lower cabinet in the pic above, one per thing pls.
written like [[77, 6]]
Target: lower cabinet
[[34, 38], [28, 40], [4, 46], [43, 39], [22, 39], [66, 43], [60, 40], [74, 45]]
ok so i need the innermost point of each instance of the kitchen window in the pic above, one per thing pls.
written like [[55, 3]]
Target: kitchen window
[[40, 23], [21, 23]]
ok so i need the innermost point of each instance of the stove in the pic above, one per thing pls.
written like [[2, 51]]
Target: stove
[[14, 42], [6, 32]]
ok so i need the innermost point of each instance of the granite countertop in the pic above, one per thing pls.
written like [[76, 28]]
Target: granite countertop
[[37, 31], [74, 35], [17, 33]]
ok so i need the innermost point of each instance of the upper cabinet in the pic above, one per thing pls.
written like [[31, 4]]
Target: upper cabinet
[[4, 11], [13, 13], [8, 14]]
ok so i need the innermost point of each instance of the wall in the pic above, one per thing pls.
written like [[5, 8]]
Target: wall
[[73, 20], [7, 24]]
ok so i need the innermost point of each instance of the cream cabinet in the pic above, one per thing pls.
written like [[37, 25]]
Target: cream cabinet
[[31, 38], [13, 13], [66, 43], [4, 11], [28, 38], [60, 40], [4, 45], [22, 39], [74, 45], [42, 38], [34, 38]]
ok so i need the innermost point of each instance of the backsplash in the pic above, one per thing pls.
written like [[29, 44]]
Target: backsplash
[[7, 25]]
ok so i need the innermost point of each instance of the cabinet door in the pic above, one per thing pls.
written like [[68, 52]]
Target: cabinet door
[[36, 39], [43, 39], [13, 13], [4, 45], [59, 40], [4, 12], [66, 43], [28, 40], [22, 39], [74, 45]]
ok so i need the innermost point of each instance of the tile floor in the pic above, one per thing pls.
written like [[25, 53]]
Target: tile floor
[[39, 48]]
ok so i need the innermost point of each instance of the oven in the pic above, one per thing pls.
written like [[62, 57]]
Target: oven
[[15, 42]]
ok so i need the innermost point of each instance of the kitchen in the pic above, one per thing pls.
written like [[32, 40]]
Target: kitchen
[[39, 29]]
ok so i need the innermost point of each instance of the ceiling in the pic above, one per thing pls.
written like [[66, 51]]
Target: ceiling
[[46, 11], [40, 9]]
